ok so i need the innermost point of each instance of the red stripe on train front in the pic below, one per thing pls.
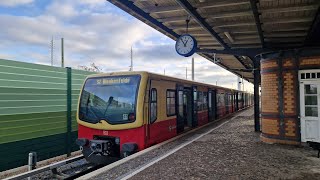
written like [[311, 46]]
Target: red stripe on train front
[[126, 135]]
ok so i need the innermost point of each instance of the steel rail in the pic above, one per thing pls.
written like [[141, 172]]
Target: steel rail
[[53, 167]]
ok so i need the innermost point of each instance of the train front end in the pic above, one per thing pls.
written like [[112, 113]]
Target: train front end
[[110, 117]]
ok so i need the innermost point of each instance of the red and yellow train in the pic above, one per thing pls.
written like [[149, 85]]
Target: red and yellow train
[[122, 113]]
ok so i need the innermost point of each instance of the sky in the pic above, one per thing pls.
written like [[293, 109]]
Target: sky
[[96, 31]]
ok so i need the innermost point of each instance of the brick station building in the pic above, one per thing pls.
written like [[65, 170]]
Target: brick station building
[[290, 95]]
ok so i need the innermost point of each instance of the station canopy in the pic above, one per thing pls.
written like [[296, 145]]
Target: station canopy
[[237, 30]]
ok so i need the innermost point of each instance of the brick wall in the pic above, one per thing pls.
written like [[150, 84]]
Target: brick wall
[[279, 101], [310, 61], [289, 93], [270, 126], [269, 87]]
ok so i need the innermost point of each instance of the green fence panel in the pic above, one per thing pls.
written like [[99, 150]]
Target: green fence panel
[[38, 106]]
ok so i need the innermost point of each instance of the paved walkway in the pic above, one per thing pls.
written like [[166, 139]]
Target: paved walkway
[[229, 149]]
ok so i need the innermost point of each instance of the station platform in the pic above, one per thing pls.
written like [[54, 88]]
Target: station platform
[[228, 149]]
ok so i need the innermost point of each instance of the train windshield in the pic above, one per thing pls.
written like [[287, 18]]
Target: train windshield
[[112, 99]]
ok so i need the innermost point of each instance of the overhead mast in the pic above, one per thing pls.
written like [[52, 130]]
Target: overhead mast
[[51, 50], [131, 56], [192, 69]]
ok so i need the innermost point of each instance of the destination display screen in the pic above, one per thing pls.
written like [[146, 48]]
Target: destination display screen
[[112, 81]]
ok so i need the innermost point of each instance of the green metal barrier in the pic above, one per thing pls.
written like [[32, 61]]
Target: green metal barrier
[[38, 106]]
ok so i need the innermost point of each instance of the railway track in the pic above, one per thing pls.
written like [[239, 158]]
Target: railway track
[[67, 169]]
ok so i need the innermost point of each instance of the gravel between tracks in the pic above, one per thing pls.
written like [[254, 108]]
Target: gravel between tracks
[[233, 151]]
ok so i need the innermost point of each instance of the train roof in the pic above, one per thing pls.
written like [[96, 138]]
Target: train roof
[[164, 77]]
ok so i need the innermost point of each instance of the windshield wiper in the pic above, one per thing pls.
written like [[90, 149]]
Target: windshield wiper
[[93, 112], [109, 103]]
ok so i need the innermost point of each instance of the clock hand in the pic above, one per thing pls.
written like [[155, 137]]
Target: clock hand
[[184, 44]]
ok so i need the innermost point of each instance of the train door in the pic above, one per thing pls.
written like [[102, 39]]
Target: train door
[[188, 107], [194, 106], [153, 110], [237, 101], [212, 105], [180, 109], [210, 108], [226, 99], [232, 102]]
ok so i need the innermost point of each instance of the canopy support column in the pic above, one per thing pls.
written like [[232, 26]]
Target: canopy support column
[[256, 96]]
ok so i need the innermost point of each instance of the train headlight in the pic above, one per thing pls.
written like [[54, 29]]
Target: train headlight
[[132, 117], [93, 146], [98, 147], [82, 142]]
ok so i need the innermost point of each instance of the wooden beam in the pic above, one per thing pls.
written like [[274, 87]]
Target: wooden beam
[[254, 41], [206, 35], [234, 24], [229, 14], [243, 32], [163, 9], [224, 3], [173, 19], [288, 39], [208, 43], [183, 27], [290, 9], [200, 40], [238, 29], [286, 20], [246, 45], [211, 47], [284, 35], [245, 37], [286, 30]]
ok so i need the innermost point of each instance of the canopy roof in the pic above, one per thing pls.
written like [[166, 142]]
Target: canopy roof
[[235, 29]]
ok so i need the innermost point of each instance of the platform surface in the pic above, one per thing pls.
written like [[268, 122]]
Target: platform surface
[[231, 150]]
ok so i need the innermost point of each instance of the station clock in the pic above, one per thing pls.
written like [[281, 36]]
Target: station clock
[[186, 45]]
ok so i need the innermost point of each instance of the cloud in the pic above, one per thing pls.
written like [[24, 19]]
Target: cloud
[[95, 31], [13, 3], [65, 10]]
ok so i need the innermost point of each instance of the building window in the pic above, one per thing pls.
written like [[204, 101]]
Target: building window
[[171, 102], [153, 105]]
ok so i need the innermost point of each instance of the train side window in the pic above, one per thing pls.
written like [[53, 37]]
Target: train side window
[[200, 101], [153, 105], [171, 102], [205, 102], [210, 100]]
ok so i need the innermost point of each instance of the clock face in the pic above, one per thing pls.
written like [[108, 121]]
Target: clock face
[[186, 45]]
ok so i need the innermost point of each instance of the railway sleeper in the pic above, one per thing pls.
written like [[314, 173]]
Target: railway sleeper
[[58, 175]]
